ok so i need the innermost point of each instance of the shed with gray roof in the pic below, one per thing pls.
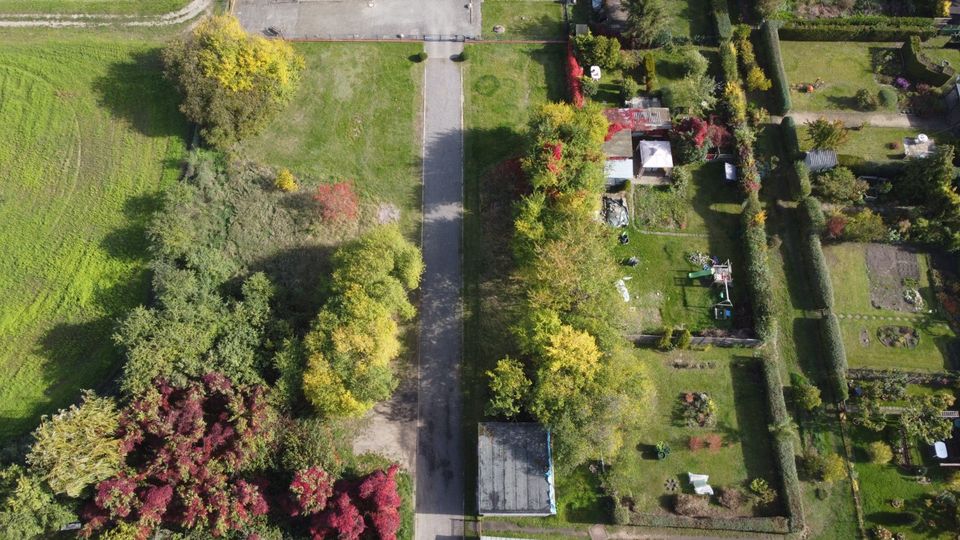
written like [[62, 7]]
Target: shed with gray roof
[[515, 470]]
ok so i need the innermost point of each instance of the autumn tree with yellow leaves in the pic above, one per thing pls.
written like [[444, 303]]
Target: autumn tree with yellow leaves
[[232, 82]]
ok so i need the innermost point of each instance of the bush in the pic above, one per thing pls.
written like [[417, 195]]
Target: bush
[[865, 226], [728, 62], [762, 491], [465, 55], [783, 446], [887, 98], [840, 186], [685, 338], [775, 525], [920, 68], [621, 514], [859, 28], [836, 355], [422, 56], [690, 505], [650, 70], [879, 453], [865, 100], [629, 88], [721, 15], [812, 219], [693, 63], [770, 41], [757, 80], [801, 188], [665, 342], [834, 468], [791, 141], [600, 51], [757, 269], [338, 202], [807, 395], [285, 181], [589, 86]]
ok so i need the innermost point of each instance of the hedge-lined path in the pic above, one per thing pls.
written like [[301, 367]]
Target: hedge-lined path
[[875, 119], [66, 20], [439, 470], [599, 532], [672, 233]]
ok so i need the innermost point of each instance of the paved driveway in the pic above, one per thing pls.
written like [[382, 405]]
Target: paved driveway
[[440, 439], [376, 19]]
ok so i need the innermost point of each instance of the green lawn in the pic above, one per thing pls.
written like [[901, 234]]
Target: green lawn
[[91, 134], [869, 143], [690, 17], [934, 50], [879, 484], [360, 125], [116, 7], [523, 19], [735, 384], [845, 67]]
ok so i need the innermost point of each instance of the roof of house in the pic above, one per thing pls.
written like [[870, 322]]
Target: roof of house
[[616, 15], [618, 169], [821, 160], [655, 155], [515, 470], [620, 145], [640, 120]]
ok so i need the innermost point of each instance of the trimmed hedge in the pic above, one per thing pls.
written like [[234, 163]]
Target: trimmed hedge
[[721, 15], [758, 271], [859, 28], [791, 140], [836, 354], [802, 185], [770, 42], [813, 218], [783, 446], [728, 61], [821, 286], [920, 68], [774, 525]]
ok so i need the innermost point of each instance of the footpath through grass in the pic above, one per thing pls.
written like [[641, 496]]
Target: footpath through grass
[[355, 117], [113, 7], [90, 135]]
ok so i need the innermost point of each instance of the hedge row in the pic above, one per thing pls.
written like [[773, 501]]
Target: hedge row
[[863, 28], [783, 446], [728, 61], [770, 41], [820, 283], [862, 167], [920, 69], [833, 348], [813, 218], [791, 141], [758, 271], [722, 16], [774, 525]]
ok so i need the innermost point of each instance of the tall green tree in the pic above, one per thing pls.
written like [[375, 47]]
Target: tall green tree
[[78, 446], [827, 135], [27, 508], [645, 19], [232, 82], [508, 386], [922, 417]]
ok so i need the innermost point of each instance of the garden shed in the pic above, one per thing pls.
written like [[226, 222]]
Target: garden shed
[[618, 167], [649, 121], [515, 470], [820, 160]]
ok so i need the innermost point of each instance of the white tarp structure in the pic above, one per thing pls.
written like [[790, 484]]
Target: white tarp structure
[[940, 449], [655, 155], [700, 485]]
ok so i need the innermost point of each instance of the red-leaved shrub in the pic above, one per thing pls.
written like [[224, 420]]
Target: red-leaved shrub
[[574, 72], [368, 507], [337, 202]]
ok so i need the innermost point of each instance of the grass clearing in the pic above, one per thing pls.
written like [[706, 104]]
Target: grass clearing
[[869, 143], [523, 19], [690, 18], [98, 7], [735, 384], [92, 134], [361, 125], [845, 67]]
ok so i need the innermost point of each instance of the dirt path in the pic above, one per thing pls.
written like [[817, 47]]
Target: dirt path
[[876, 119], [188, 12]]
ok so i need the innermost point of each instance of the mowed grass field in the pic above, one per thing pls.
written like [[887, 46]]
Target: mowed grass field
[[114, 7], [356, 117], [844, 67], [90, 133]]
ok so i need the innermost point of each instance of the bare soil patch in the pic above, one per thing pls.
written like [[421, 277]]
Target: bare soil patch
[[890, 268]]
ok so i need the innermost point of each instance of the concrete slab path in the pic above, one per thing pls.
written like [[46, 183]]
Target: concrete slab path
[[875, 119], [439, 476]]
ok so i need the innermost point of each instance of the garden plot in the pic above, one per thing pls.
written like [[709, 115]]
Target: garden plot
[[843, 68], [711, 413], [881, 328], [523, 19], [894, 275]]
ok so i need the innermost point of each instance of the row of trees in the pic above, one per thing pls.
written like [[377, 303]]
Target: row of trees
[[574, 372]]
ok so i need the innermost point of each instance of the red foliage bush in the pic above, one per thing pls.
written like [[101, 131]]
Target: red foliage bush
[[574, 72], [714, 442], [696, 443], [311, 489], [183, 446], [836, 225], [337, 202], [368, 507]]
